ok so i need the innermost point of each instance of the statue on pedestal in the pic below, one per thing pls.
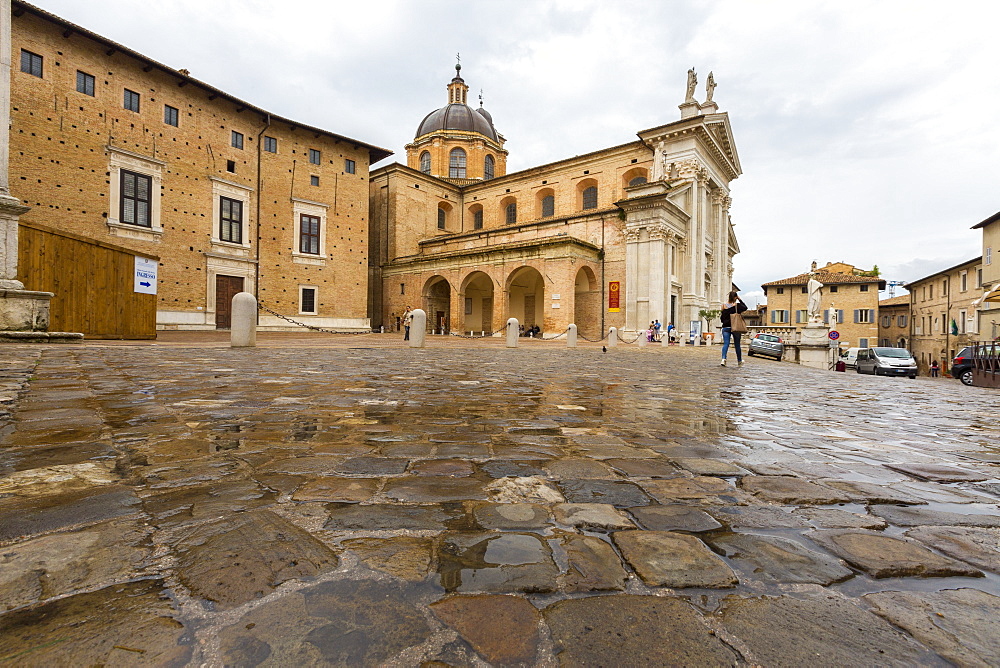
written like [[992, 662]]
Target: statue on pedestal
[[692, 83], [709, 87], [815, 289]]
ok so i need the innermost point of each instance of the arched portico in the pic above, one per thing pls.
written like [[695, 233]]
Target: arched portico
[[476, 303], [526, 297], [436, 297]]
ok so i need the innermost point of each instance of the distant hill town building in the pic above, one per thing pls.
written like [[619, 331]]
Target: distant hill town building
[[619, 237], [849, 302], [111, 145]]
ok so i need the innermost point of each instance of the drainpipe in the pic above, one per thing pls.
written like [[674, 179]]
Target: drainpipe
[[256, 269]]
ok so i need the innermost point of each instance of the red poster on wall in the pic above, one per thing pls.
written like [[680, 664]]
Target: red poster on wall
[[614, 294]]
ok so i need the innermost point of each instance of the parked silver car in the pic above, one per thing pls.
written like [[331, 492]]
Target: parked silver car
[[886, 362], [769, 345]]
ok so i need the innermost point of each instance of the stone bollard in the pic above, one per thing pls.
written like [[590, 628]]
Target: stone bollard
[[612, 337], [418, 328], [512, 332], [571, 337], [642, 338], [243, 330], [665, 340]]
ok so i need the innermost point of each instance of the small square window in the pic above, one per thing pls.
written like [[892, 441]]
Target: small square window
[[131, 100], [231, 166], [314, 180], [237, 140], [270, 144], [833, 288], [349, 166], [314, 156], [780, 291], [31, 63], [308, 300], [805, 289], [864, 288], [84, 83], [170, 115]]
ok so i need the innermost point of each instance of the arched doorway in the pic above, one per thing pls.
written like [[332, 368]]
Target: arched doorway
[[587, 304], [526, 297], [437, 304], [477, 308]]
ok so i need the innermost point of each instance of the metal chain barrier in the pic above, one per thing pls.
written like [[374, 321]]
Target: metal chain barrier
[[593, 340], [503, 330], [632, 341], [307, 326]]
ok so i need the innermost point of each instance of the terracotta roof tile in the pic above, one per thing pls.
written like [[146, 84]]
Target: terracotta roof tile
[[895, 301], [826, 278]]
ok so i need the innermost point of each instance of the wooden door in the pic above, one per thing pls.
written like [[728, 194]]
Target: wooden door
[[226, 288]]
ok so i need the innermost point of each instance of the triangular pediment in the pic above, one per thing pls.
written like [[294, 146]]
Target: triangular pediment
[[713, 130]]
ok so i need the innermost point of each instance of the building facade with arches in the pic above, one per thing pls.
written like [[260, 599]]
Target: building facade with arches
[[617, 237]]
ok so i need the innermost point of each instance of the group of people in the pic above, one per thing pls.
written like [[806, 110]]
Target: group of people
[[532, 331], [653, 333]]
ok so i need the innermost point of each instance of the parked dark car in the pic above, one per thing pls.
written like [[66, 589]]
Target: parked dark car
[[769, 345], [886, 362], [961, 366]]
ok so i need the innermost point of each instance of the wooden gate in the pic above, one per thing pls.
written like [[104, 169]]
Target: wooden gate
[[226, 288], [93, 282]]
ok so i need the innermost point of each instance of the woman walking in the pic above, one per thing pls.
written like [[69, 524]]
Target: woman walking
[[733, 305]]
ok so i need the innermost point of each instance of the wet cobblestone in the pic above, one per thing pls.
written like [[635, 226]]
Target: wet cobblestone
[[320, 501]]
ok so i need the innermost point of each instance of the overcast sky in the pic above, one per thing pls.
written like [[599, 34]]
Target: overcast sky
[[868, 131]]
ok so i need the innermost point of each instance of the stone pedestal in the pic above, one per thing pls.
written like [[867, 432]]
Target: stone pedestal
[[814, 347], [689, 108]]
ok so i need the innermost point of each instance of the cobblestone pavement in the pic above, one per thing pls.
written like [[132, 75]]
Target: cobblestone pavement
[[348, 501]]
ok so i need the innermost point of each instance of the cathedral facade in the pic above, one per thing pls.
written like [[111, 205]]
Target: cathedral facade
[[617, 237]]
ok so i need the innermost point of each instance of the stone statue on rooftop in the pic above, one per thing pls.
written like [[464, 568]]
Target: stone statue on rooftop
[[709, 87], [692, 83]]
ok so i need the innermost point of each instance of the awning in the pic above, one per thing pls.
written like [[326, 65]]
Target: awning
[[992, 295]]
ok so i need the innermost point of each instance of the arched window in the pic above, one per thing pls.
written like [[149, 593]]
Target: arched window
[[456, 164], [637, 181], [511, 213], [477, 219], [442, 218], [488, 168], [590, 198], [425, 162], [548, 206]]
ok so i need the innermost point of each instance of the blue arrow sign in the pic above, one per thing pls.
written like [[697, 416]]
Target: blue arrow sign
[[145, 284]]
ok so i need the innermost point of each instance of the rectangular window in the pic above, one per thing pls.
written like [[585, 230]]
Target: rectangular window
[[780, 291], [308, 300], [864, 288], [833, 288], [270, 144], [962, 317], [886, 320], [864, 316], [930, 292], [349, 166], [170, 115], [231, 166], [805, 289], [779, 316], [31, 63], [402, 288], [477, 220], [231, 220], [979, 277], [237, 139], [944, 288], [136, 195], [131, 100], [314, 156], [802, 315], [944, 323], [309, 234], [862, 343], [901, 321], [314, 180], [987, 256], [84, 83]]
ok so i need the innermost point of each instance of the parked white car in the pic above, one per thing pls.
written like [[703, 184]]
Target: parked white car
[[849, 357], [886, 362]]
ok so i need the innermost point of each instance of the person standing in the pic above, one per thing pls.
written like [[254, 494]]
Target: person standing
[[935, 369], [733, 305], [656, 330], [407, 320]]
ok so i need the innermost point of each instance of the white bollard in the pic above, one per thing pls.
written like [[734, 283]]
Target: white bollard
[[512, 332], [571, 337], [418, 328], [642, 338], [664, 340], [612, 337], [243, 330]]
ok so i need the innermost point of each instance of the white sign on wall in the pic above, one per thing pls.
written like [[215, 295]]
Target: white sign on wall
[[145, 275]]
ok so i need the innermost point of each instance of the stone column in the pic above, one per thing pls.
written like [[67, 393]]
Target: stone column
[[10, 207], [631, 277], [658, 281]]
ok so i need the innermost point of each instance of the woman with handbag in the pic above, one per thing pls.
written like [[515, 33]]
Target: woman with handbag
[[733, 326]]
